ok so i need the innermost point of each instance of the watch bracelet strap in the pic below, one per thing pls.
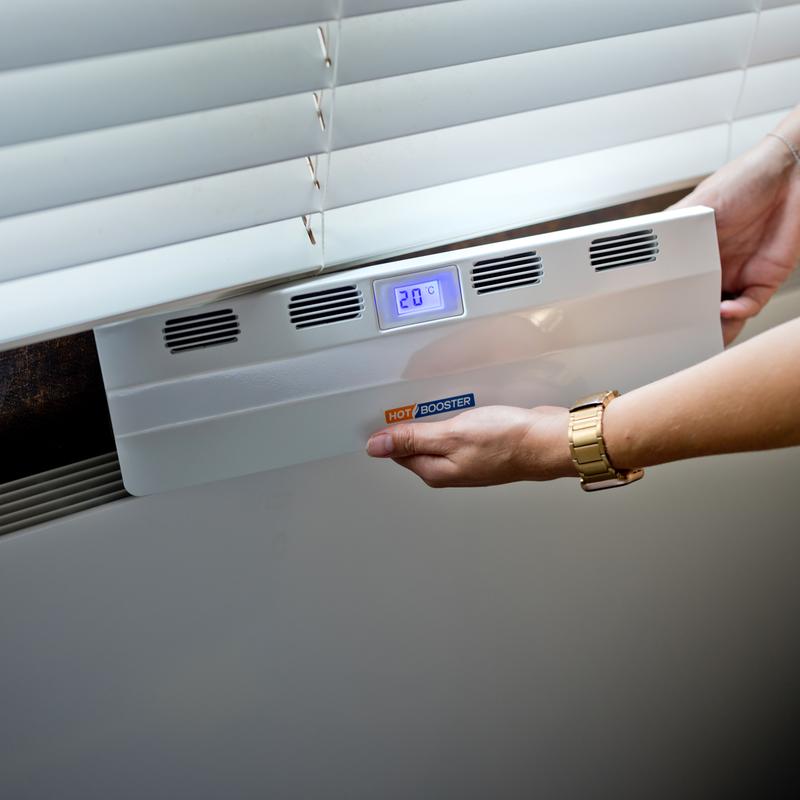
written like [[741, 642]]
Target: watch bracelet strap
[[588, 448]]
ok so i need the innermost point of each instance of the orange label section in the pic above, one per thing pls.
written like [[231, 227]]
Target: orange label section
[[399, 414]]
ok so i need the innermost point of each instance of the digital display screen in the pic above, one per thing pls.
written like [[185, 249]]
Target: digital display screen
[[414, 298], [411, 299]]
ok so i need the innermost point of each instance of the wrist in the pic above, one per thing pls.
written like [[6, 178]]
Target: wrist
[[564, 465], [545, 447], [622, 443], [782, 150], [589, 446], [789, 129]]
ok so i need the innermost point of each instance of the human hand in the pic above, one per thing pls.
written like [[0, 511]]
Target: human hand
[[481, 447], [756, 198]]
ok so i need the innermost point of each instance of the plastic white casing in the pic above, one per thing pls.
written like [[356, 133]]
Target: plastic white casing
[[281, 396]]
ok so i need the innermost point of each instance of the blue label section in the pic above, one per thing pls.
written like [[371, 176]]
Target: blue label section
[[457, 403]]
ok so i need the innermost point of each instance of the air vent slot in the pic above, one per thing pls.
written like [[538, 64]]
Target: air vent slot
[[201, 330], [60, 492], [636, 247], [507, 272], [325, 307]]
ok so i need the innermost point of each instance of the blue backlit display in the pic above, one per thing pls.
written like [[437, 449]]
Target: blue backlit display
[[420, 297]]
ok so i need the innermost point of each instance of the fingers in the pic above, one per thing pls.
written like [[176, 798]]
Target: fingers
[[420, 447], [747, 304], [380, 445], [410, 439], [734, 314], [738, 310]]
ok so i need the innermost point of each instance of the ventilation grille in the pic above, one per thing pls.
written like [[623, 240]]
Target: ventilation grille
[[60, 492], [201, 330], [635, 247], [507, 272], [322, 308]]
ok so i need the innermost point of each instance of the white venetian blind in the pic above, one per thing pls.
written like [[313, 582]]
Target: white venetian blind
[[488, 114], [154, 153]]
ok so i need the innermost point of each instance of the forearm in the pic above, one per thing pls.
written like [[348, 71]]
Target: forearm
[[747, 398]]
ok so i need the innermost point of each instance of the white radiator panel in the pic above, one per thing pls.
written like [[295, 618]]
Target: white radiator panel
[[307, 634], [312, 367]]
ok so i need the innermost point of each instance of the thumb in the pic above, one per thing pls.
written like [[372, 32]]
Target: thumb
[[747, 304], [410, 439]]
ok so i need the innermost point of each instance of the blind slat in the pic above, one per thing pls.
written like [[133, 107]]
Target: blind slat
[[41, 306], [778, 35], [430, 37], [413, 162], [100, 229], [36, 32], [767, 4], [128, 158], [352, 8], [409, 104], [113, 90], [770, 86], [502, 201], [47, 31]]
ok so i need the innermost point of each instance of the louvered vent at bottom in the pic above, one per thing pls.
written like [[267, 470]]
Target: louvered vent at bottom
[[197, 331], [325, 307], [507, 272], [60, 492], [624, 250]]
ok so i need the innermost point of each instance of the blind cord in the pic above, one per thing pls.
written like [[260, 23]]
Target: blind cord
[[327, 167], [749, 57]]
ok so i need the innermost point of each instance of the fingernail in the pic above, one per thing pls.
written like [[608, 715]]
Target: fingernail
[[380, 445]]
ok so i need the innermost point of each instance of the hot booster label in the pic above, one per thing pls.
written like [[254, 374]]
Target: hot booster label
[[429, 408]]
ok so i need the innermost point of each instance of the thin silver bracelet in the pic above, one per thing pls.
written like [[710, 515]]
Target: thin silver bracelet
[[792, 149]]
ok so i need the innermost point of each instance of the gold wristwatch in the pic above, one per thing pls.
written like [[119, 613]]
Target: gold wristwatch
[[588, 448]]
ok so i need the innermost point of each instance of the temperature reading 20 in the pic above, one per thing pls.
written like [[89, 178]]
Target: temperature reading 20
[[417, 297]]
